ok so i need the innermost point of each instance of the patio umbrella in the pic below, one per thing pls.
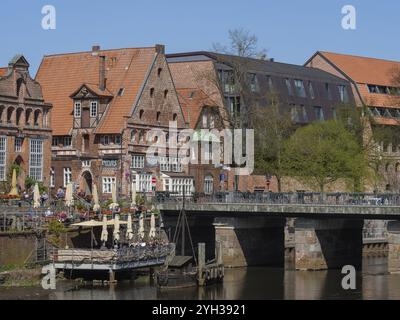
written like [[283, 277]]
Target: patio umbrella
[[104, 232], [96, 206], [114, 203], [133, 203], [14, 189], [141, 226], [129, 230], [69, 198], [116, 228], [152, 233], [36, 197]]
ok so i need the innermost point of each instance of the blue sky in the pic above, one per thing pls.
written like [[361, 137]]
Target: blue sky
[[290, 30]]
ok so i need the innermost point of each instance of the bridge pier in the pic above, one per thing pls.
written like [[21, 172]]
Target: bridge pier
[[251, 242], [394, 246], [328, 243]]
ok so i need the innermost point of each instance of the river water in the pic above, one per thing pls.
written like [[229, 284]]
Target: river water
[[258, 284]]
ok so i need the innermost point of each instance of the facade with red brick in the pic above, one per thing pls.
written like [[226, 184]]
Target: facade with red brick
[[106, 104], [25, 132]]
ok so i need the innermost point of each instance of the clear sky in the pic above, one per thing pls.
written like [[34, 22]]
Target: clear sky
[[291, 30]]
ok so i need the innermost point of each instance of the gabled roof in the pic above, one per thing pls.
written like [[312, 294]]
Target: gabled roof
[[193, 100], [363, 69], [94, 89], [61, 75], [3, 72]]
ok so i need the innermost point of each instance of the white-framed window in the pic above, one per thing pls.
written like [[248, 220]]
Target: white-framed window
[[52, 178], [3, 158], [67, 141], [137, 161], [55, 142], [143, 182], [164, 164], [344, 97], [77, 109], [110, 163], [18, 144], [107, 184], [93, 108], [86, 163], [176, 165], [180, 185], [36, 159], [289, 87], [208, 184], [299, 85], [67, 174], [105, 140], [311, 90]]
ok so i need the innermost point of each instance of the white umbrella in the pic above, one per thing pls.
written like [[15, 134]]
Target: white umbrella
[[14, 188], [104, 232], [141, 226], [152, 233], [129, 230], [133, 203], [116, 228], [69, 199], [36, 197], [114, 203], [96, 206]]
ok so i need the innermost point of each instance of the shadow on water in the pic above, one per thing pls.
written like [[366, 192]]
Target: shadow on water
[[259, 284]]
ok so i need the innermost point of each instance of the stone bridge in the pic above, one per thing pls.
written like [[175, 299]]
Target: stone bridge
[[327, 236]]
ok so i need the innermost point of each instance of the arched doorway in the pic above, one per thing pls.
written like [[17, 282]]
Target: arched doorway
[[86, 183]]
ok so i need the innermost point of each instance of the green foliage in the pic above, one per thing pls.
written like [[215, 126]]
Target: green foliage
[[56, 229], [323, 152], [30, 184]]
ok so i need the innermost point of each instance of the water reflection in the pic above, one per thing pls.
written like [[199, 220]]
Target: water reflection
[[259, 284]]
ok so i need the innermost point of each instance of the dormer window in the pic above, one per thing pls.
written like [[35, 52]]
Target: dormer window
[[77, 110], [121, 92], [93, 109]]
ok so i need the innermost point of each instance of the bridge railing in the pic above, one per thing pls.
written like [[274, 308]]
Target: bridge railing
[[295, 198]]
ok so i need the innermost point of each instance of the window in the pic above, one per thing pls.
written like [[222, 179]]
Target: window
[[137, 161], [289, 87], [319, 113], [67, 174], [144, 184], [133, 134], [105, 140], [174, 117], [3, 158], [228, 81], [253, 82], [36, 159], [110, 163], [52, 178], [328, 91], [118, 140], [93, 109], [304, 112], [151, 92], [141, 114], [176, 165], [158, 116], [269, 82], [300, 91], [208, 184], [165, 94], [121, 92], [18, 144], [294, 113], [77, 110], [86, 163], [67, 141], [182, 185], [164, 164], [344, 97], [107, 184], [234, 105], [159, 72], [334, 115], [311, 90], [55, 142]]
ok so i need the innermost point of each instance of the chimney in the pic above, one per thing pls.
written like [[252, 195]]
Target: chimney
[[160, 48], [102, 73]]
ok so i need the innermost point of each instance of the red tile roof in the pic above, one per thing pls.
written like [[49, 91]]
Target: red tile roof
[[365, 70], [61, 75], [192, 101], [3, 72]]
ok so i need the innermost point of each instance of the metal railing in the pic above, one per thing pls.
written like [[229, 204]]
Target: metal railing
[[290, 198]]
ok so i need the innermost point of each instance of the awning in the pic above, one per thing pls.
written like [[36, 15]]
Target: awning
[[93, 223]]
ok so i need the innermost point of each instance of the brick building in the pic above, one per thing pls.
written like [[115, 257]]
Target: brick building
[[309, 94], [25, 132], [105, 103], [376, 87]]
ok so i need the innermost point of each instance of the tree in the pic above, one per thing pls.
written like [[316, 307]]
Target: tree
[[272, 130], [324, 152]]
